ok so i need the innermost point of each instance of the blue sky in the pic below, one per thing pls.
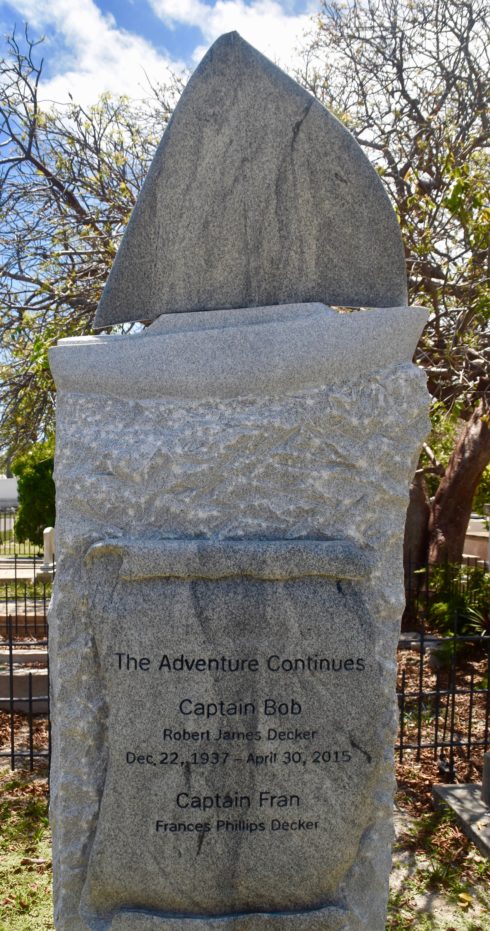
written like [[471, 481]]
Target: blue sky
[[108, 45]]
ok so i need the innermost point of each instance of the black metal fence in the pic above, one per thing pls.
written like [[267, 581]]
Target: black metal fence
[[25, 591], [444, 667], [24, 597], [443, 699], [443, 670], [25, 730], [9, 544], [459, 586]]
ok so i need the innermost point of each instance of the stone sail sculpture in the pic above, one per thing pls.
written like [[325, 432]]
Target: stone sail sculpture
[[231, 492], [257, 195]]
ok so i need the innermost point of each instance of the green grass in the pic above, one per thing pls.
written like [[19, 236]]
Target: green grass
[[445, 864], [412, 711], [11, 547], [25, 853], [24, 589]]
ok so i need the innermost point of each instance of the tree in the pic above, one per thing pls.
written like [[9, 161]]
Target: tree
[[410, 78], [69, 177], [35, 489]]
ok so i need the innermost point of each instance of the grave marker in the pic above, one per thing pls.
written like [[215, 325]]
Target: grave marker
[[231, 491]]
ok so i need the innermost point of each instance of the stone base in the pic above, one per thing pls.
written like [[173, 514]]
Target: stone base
[[471, 812]]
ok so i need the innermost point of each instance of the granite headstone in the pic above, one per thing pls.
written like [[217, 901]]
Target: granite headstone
[[231, 489], [257, 195]]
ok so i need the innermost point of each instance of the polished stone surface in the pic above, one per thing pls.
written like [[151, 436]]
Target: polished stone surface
[[244, 716], [257, 195]]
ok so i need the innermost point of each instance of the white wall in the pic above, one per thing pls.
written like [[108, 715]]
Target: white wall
[[8, 492]]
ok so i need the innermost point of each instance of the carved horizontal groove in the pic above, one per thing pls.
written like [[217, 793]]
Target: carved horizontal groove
[[222, 559], [334, 914]]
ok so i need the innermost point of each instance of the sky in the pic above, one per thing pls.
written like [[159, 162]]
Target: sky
[[92, 46]]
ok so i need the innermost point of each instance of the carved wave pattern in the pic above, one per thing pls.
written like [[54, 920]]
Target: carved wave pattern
[[320, 463]]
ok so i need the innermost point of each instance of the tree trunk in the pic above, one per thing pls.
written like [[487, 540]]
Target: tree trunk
[[451, 506], [415, 546]]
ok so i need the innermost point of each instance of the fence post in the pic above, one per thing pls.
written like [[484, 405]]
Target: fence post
[[48, 549], [11, 692]]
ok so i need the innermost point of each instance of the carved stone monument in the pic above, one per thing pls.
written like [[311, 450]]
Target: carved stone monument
[[231, 492]]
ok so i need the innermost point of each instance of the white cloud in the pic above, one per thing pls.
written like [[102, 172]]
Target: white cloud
[[97, 56], [264, 23], [88, 53]]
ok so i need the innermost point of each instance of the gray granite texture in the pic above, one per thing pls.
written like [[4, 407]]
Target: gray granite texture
[[268, 560], [257, 195], [191, 355], [178, 516], [472, 814]]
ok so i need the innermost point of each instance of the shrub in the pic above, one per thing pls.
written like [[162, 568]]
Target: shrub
[[34, 472]]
